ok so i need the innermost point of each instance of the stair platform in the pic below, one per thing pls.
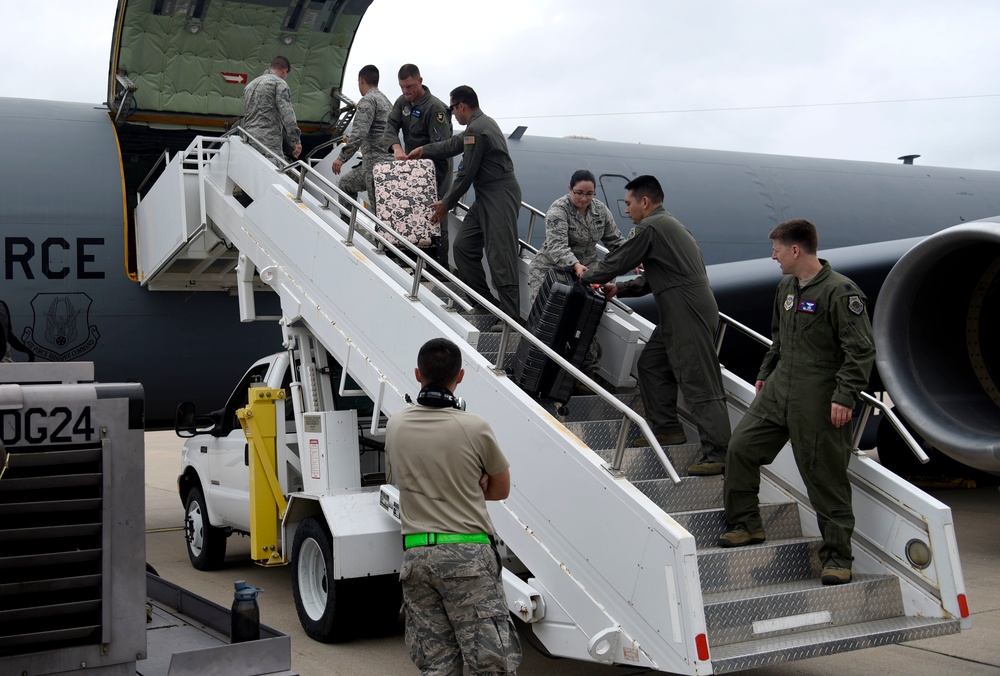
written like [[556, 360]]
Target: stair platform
[[740, 656]]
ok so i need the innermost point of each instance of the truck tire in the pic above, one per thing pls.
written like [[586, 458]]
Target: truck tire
[[320, 601], [206, 544]]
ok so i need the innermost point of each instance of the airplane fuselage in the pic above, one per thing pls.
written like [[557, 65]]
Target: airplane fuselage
[[66, 188]]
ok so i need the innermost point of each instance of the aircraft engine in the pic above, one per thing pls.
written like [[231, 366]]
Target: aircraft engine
[[937, 327]]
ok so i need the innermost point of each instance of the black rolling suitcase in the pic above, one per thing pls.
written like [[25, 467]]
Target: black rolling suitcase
[[564, 316]]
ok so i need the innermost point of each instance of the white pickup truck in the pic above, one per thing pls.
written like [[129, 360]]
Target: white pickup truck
[[327, 522]]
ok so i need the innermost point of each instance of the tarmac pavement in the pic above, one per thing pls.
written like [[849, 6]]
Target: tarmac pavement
[[972, 652]]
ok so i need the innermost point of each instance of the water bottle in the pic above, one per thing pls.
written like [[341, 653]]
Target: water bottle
[[245, 614]]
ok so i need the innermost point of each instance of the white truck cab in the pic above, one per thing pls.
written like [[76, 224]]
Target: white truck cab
[[326, 517]]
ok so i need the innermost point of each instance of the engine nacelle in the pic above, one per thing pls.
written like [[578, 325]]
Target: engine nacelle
[[937, 328]]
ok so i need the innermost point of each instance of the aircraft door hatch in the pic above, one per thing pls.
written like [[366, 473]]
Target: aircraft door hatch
[[613, 194]]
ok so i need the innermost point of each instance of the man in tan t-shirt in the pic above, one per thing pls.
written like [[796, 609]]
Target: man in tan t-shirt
[[447, 464]]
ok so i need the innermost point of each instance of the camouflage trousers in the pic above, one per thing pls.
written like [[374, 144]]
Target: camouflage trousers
[[357, 179], [456, 611]]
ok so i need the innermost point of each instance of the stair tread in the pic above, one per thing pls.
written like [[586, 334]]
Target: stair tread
[[827, 641], [720, 508], [788, 587], [769, 542]]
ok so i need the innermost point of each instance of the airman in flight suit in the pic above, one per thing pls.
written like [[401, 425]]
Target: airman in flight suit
[[809, 381]]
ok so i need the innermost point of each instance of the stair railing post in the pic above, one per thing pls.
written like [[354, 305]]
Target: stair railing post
[[719, 336], [619, 456], [351, 225], [502, 350], [859, 427], [418, 271], [302, 182]]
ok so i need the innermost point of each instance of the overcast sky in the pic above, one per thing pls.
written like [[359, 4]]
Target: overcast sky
[[851, 79]]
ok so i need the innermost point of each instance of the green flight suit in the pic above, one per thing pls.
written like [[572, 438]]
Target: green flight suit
[[491, 223], [822, 354], [681, 351]]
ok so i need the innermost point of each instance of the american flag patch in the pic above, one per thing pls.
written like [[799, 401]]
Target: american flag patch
[[470, 140]]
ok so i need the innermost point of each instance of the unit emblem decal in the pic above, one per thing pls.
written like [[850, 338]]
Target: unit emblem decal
[[61, 330]]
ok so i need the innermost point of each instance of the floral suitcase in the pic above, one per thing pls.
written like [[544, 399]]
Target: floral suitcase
[[404, 192]]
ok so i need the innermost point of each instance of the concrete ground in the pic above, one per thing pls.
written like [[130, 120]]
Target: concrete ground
[[976, 651]]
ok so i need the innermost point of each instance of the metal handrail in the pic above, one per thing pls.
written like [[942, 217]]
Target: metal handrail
[[870, 401], [629, 415], [419, 273], [164, 159]]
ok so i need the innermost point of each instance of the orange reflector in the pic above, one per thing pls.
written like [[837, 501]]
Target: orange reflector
[[963, 605], [701, 642]]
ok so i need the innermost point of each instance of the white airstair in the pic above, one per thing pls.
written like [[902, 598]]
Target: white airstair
[[612, 554]]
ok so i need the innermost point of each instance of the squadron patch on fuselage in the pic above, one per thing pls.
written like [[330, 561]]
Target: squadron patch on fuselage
[[61, 330], [856, 305]]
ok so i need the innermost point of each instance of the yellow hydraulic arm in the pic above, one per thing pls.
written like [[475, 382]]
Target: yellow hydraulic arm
[[267, 503]]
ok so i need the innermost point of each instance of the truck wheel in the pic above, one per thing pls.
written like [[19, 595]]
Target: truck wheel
[[206, 544], [320, 600]]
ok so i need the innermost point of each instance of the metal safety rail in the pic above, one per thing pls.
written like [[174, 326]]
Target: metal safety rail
[[869, 401], [418, 262]]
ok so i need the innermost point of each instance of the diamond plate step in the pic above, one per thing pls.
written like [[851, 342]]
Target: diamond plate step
[[691, 494], [483, 323], [799, 606], [739, 656], [591, 408], [781, 521], [772, 562], [600, 434], [641, 464]]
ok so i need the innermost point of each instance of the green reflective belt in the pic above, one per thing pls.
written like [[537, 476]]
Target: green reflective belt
[[425, 539]]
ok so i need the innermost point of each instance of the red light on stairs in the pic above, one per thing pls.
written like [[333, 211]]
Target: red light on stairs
[[701, 642]]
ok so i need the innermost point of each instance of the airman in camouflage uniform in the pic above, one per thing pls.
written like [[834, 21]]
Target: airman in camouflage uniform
[[808, 384], [574, 224], [447, 464], [423, 118], [268, 114], [367, 132]]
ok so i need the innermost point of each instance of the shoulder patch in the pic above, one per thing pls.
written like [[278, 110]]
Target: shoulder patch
[[439, 117], [856, 305], [470, 140]]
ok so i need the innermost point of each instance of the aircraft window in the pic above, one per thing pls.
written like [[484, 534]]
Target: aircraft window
[[613, 187]]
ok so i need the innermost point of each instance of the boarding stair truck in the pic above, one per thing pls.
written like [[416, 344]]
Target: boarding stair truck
[[609, 549]]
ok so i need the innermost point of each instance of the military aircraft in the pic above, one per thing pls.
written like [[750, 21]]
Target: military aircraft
[[71, 173]]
